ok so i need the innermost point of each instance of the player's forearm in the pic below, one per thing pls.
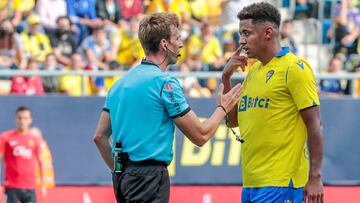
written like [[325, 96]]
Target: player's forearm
[[315, 145], [43, 169], [232, 115], [104, 148]]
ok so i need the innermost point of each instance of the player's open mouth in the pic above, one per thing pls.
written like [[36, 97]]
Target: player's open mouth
[[245, 50]]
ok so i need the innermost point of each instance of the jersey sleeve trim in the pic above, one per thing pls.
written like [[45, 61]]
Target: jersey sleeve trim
[[182, 113]]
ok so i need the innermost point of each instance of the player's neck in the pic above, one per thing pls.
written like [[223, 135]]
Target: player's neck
[[269, 53], [22, 131]]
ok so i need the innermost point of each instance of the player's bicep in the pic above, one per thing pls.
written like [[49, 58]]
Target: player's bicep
[[311, 117], [301, 83]]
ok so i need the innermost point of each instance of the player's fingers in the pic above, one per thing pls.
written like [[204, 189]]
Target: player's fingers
[[313, 198], [318, 198], [238, 51]]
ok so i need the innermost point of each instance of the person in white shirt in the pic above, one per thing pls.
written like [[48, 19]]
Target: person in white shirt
[[49, 11]]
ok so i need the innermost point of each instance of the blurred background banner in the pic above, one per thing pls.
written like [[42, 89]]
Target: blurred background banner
[[68, 124]]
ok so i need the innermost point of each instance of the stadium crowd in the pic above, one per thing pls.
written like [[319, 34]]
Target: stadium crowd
[[87, 35]]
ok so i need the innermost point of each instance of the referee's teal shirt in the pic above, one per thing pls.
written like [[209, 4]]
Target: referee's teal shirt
[[142, 106]]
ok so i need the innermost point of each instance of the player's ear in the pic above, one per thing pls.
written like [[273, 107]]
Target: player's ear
[[269, 32]]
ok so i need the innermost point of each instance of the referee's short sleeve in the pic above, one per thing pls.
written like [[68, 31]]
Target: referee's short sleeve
[[173, 97], [107, 104]]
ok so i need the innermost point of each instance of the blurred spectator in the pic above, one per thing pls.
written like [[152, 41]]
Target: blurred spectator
[[193, 47], [63, 40], [191, 85], [96, 49], [11, 54], [83, 14], [285, 36], [231, 8], [214, 10], [131, 8], [49, 11], [347, 28], [333, 87], [126, 47], [199, 10], [185, 32], [22, 9], [109, 11], [6, 10], [306, 9], [212, 54], [109, 81], [36, 44], [156, 6], [28, 85], [181, 8], [230, 25], [9, 48], [51, 83], [72, 84]]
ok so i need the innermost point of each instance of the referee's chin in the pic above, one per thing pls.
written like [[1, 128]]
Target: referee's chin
[[172, 60]]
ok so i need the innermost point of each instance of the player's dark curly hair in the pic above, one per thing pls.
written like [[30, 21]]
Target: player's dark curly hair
[[261, 12]]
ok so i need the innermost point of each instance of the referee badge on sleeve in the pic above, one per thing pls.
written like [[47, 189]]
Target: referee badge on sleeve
[[169, 87], [269, 75]]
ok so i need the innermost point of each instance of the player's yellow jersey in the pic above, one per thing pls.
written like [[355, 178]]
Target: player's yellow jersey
[[274, 151]]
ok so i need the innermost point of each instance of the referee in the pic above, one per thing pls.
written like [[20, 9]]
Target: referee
[[140, 112]]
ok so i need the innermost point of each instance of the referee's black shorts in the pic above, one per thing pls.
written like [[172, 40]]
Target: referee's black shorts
[[145, 182]]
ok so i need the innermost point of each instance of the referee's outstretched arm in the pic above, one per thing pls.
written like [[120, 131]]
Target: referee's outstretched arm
[[200, 132]]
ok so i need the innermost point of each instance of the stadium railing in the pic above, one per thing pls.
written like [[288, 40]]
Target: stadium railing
[[353, 77]]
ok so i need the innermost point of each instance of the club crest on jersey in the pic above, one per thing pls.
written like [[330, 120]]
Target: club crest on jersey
[[269, 75]]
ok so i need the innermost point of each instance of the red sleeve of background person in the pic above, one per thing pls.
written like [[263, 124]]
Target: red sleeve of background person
[[36, 84], [28, 86], [21, 159], [18, 85], [129, 12], [2, 142]]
